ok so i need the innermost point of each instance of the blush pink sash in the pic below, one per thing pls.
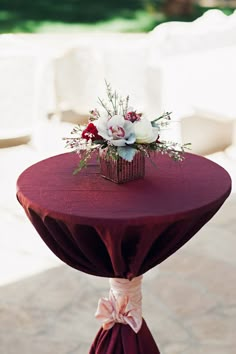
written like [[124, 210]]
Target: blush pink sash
[[124, 304]]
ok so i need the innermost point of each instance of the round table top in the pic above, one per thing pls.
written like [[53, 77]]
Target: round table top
[[110, 230], [169, 191]]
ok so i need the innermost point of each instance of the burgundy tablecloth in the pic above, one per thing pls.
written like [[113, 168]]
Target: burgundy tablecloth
[[112, 230], [121, 339]]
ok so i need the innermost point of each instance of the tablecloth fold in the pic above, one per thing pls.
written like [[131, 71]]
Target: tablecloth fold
[[121, 339]]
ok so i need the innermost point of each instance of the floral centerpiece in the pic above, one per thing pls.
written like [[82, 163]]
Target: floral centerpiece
[[122, 137]]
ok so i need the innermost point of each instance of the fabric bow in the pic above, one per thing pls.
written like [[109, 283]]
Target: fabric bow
[[119, 309]]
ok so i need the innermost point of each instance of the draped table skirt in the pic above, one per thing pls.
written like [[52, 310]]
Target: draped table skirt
[[121, 231]]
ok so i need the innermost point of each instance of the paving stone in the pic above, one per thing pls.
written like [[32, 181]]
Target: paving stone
[[214, 329], [182, 297], [175, 348], [209, 349], [20, 343]]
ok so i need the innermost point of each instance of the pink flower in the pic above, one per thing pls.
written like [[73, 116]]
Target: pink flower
[[133, 116], [94, 113]]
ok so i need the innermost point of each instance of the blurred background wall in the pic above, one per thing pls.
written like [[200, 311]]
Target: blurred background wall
[[173, 55]]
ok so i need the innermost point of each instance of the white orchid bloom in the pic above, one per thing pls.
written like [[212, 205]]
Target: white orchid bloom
[[116, 130]]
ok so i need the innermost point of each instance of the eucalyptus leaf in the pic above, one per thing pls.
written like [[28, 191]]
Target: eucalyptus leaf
[[126, 152]]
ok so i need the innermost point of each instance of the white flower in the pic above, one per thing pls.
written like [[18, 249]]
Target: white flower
[[116, 130], [144, 132]]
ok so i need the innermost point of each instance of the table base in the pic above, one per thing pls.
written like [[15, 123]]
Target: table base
[[121, 339], [124, 331]]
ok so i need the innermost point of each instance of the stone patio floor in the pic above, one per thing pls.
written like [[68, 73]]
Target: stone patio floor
[[46, 307]]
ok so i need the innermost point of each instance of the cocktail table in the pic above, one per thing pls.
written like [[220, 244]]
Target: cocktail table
[[121, 231]]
